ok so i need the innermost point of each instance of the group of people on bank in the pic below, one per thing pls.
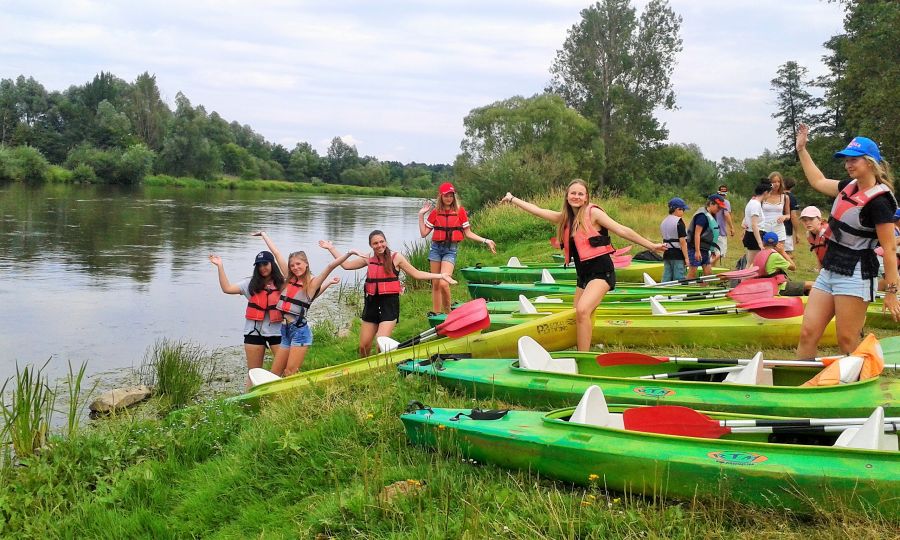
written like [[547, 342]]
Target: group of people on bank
[[864, 216]]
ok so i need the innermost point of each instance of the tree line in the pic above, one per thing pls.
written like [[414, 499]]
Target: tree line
[[110, 130]]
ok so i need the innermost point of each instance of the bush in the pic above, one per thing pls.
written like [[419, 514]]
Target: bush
[[103, 162], [134, 164], [23, 164], [59, 175], [84, 173], [176, 370]]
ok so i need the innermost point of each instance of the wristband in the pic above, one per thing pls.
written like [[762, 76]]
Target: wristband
[[890, 288]]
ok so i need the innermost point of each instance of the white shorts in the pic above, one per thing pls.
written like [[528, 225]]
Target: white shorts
[[789, 242]]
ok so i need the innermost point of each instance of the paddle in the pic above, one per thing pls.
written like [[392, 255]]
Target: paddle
[[467, 318], [732, 274], [683, 421], [680, 374], [770, 308], [638, 359], [746, 291], [622, 251]]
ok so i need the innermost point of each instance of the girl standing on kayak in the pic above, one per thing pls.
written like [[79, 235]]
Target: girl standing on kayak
[[262, 324], [381, 308], [450, 224], [295, 299], [582, 231], [861, 218]]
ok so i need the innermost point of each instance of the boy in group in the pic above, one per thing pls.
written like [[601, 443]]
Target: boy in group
[[674, 235], [773, 260], [791, 229], [704, 234], [723, 218], [811, 218]]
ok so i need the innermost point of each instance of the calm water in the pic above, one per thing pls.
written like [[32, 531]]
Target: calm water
[[98, 274]]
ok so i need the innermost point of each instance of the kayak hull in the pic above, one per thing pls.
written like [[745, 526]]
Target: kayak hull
[[634, 272], [503, 379], [758, 473], [511, 291]]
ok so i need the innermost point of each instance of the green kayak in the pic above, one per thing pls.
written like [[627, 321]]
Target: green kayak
[[633, 272], [511, 291], [728, 329], [742, 467], [505, 379]]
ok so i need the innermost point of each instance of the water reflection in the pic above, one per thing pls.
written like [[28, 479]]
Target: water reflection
[[99, 273]]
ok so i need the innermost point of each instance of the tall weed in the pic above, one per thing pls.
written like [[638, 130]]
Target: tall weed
[[176, 370], [27, 417], [417, 255], [77, 398]]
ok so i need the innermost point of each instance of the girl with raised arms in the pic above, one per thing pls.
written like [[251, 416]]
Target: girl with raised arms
[[582, 231], [381, 308], [300, 289]]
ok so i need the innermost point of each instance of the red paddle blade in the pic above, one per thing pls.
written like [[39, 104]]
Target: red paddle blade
[[672, 420], [627, 358], [776, 308], [622, 251], [754, 289], [622, 262], [738, 274], [468, 329], [472, 313]]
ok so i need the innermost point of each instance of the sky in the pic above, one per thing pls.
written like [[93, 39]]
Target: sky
[[397, 78]]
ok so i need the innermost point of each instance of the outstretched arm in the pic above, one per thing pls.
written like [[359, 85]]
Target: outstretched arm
[[355, 264], [543, 213], [227, 286], [415, 273], [600, 217], [486, 241], [317, 281], [815, 177], [279, 258], [885, 232]]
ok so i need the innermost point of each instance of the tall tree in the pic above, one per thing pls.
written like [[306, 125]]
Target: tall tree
[[186, 150], [615, 69], [341, 156], [793, 101], [147, 111]]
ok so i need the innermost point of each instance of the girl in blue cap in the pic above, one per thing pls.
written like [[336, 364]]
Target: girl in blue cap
[[861, 218], [262, 322]]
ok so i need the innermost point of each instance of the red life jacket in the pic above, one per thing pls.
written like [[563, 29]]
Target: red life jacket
[[447, 226], [760, 261], [294, 300], [845, 227], [582, 240], [378, 281], [264, 302], [818, 244]]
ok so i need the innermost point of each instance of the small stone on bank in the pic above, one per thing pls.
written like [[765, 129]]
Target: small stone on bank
[[119, 399]]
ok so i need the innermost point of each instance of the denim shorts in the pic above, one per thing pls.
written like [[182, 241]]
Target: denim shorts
[[441, 252], [841, 285], [296, 336], [704, 257]]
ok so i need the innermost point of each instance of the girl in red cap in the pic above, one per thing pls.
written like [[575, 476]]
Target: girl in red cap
[[582, 231], [450, 225], [381, 309], [861, 218]]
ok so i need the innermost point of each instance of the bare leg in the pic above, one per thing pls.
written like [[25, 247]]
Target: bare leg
[[435, 287], [692, 272], [295, 355], [255, 355], [446, 268], [366, 335], [818, 312], [281, 358], [584, 311], [707, 269], [850, 316]]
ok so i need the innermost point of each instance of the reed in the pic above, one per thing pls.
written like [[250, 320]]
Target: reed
[[77, 398], [175, 370], [417, 255], [27, 416], [325, 332]]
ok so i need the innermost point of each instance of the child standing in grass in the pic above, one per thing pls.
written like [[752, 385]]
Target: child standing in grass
[[674, 234]]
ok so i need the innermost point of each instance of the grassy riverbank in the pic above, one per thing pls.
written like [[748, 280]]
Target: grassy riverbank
[[283, 186], [314, 464]]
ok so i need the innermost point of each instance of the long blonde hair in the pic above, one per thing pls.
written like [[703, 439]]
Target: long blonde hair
[[780, 190], [305, 278], [569, 215], [883, 172]]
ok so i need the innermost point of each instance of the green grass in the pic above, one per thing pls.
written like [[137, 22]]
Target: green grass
[[176, 370], [281, 186], [313, 462]]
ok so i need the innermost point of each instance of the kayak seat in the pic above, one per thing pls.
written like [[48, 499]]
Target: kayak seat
[[844, 370], [535, 358], [514, 262], [260, 376], [546, 277], [592, 410], [753, 373], [526, 307], [545, 300], [869, 436]]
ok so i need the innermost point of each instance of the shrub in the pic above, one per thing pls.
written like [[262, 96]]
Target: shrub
[[84, 173], [134, 164]]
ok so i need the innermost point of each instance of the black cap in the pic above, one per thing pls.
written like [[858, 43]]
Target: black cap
[[264, 257]]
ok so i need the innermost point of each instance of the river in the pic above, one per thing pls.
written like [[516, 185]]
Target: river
[[97, 274]]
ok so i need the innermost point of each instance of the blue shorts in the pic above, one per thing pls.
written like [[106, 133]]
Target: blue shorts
[[296, 336], [841, 285], [704, 257], [441, 252]]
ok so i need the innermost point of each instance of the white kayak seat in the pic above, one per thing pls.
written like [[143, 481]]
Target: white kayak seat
[[592, 410], [656, 308], [752, 373], [870, 435], [526, 307], [546, 277], [386, 343], [260, 376], [648, 280], [545, 300], [850, 367], [514, 262], [536, 358]]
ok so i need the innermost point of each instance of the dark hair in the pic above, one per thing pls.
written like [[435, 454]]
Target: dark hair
[[385, 258], [789, 183], [258, 283], [762, 188], [722, 186]]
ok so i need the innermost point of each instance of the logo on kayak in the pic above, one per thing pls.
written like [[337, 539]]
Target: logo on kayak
[[653, 391], [625, 322], [738, 458]]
